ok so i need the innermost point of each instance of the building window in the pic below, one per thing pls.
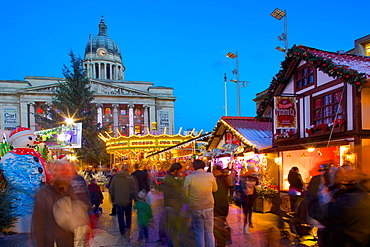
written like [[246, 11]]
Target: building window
[[304, 76], [164, 120], [367, 49], [107, 115], [326, 107], [108, 71]]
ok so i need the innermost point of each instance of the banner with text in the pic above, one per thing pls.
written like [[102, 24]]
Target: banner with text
[[285, 112], [10, 117]]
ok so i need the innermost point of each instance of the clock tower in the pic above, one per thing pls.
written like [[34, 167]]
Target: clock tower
[[102, 58]]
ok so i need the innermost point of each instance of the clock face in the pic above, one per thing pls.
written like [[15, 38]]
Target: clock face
[[102, 52]]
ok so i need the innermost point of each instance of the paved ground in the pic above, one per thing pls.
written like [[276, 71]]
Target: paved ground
[[264, 234]]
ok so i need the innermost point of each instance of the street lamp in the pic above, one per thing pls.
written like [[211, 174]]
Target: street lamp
[[279, 14], [225, 91], [69, 121], [236, 73]]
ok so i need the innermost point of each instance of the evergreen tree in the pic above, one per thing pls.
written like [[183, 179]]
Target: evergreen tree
[[73, 99], [7, 216]]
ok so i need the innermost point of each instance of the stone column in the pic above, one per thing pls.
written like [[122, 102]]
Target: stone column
[[131, 119], [152, 114], [100, 113], [146, 118], [23, 115], [104, 71], [32, 115], [115, 119]]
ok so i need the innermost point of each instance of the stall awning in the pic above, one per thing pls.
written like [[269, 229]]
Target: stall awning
[[321, 144]]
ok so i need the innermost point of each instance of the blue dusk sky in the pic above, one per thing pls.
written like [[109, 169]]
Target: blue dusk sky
[[178, 43]]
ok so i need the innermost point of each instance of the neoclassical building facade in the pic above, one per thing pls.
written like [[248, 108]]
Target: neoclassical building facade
[[127, 106]]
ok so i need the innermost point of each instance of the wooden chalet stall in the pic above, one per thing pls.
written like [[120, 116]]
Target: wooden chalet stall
[[320, 103], [236, 141]]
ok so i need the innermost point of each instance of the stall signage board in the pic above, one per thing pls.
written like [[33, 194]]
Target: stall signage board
[[285, 112]]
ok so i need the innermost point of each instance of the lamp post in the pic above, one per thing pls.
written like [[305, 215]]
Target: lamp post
[[279, 14], [236, 73], [225, 90]]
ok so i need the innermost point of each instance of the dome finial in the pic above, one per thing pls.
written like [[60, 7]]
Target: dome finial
[[102, 27]]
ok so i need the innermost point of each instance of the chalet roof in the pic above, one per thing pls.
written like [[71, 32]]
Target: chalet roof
[[350, 61], [352, 69], [250, 131]]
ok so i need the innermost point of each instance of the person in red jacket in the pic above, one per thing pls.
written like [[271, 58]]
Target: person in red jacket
[[96, 196]]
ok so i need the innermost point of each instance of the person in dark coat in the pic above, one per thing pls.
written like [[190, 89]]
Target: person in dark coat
[[114, 207], [141, 178], [344, 210], [123, 198], [221, 208], [172, 193], [296, 186]]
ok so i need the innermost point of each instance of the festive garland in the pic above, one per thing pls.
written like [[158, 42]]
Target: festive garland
[[324, 127], [350, 76]]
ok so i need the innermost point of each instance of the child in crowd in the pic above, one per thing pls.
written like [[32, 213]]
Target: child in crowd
[[96, 196], [144, 214]]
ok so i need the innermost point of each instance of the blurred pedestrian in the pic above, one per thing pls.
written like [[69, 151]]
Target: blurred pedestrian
[[53, 224], [248, 184], [141, 178], [344, 210], [144, 215], [79, 186], [122, 191], [221, 208], [198, 188], [172, 192], [296, 187], [114, 207], [96, 196]]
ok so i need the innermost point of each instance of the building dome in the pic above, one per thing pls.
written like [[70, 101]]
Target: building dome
[[103, 41]]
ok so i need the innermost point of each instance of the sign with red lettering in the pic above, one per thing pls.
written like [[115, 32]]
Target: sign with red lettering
[[285, 112]]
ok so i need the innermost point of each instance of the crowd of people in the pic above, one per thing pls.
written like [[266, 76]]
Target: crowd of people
[[203, 196], [336, 202]]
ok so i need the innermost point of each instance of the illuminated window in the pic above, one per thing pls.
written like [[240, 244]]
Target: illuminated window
[[367, 49]]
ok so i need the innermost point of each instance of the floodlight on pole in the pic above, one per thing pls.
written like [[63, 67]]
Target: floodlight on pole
[[225, 91], [236, 73], [279, 14]]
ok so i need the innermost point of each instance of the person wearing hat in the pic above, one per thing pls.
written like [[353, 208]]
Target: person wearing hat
[[144, 215], [311, 196]]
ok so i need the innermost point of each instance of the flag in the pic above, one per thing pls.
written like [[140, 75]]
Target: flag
[[231, 55]]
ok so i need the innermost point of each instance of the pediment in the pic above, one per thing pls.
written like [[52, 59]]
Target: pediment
[[100, 88]]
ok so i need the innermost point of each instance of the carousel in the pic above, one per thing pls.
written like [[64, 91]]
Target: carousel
[[139, 148]]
